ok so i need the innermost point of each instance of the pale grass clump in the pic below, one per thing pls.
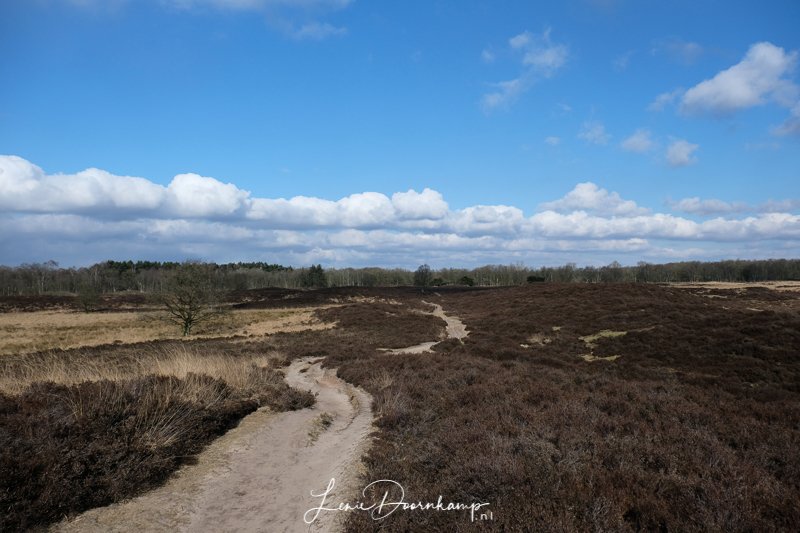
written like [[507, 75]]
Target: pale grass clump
[[78, 369], [180, 361], [237, 372]]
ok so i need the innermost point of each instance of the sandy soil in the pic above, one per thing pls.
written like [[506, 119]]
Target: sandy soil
[[455, 330], [792, 286], [259, 476]]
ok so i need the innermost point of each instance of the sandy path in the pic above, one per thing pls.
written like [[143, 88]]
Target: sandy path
[[258, 476], [455, 329]]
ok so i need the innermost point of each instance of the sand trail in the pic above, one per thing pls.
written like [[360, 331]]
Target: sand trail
[[455, 329], [259, 475]]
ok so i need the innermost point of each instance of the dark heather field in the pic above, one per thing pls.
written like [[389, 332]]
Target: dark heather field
[[568, 407], [695, 426]]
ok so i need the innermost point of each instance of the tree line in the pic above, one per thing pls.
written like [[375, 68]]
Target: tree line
[[151, 276]]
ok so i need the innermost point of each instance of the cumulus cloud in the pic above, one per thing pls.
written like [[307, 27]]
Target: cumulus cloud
[[25, 187], [89, 215], [713, 206], [540, 58], [594, 132], [591, 198], [414, 205], [761, 76], [190, 195], [640, 142], [680, 153]]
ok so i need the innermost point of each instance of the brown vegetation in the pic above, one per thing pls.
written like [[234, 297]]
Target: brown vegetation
[[694, 427], [690, 420]]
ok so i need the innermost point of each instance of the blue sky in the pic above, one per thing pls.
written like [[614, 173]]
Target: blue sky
[[491, 132]]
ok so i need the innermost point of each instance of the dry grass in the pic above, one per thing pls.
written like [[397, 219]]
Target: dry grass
[[173, 360], [26, 332], [791, 286]]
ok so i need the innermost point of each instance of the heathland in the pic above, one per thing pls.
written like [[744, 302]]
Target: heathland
[[567, 407]]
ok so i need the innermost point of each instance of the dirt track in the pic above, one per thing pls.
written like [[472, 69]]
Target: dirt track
[[258, 476], [455, 330]]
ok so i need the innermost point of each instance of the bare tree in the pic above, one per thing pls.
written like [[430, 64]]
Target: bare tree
[[190, 297], [423, 276], [88, 297]]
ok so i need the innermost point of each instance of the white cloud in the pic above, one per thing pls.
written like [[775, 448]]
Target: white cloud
[[791, 126], [89, 215], [591, 198], [541, 58], [779, 206], [543, 55], [191, 195], [548, 60], [713, 206], [680, 153], [640, 142], [505, 93], [365, 209], [487, 56], [25, 187], [696, 206], [486, 219], [318, 31], [552, 140], [759, 77], [520, 41], [428, 204], [594, 132], [664, 99]]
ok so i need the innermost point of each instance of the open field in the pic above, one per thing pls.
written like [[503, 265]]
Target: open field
[[38, 331], [566, 407]]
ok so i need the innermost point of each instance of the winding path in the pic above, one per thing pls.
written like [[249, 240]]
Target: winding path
[[455, 330], [259, 475]]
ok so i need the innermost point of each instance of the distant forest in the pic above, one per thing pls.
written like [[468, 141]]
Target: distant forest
[[150, 276]]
